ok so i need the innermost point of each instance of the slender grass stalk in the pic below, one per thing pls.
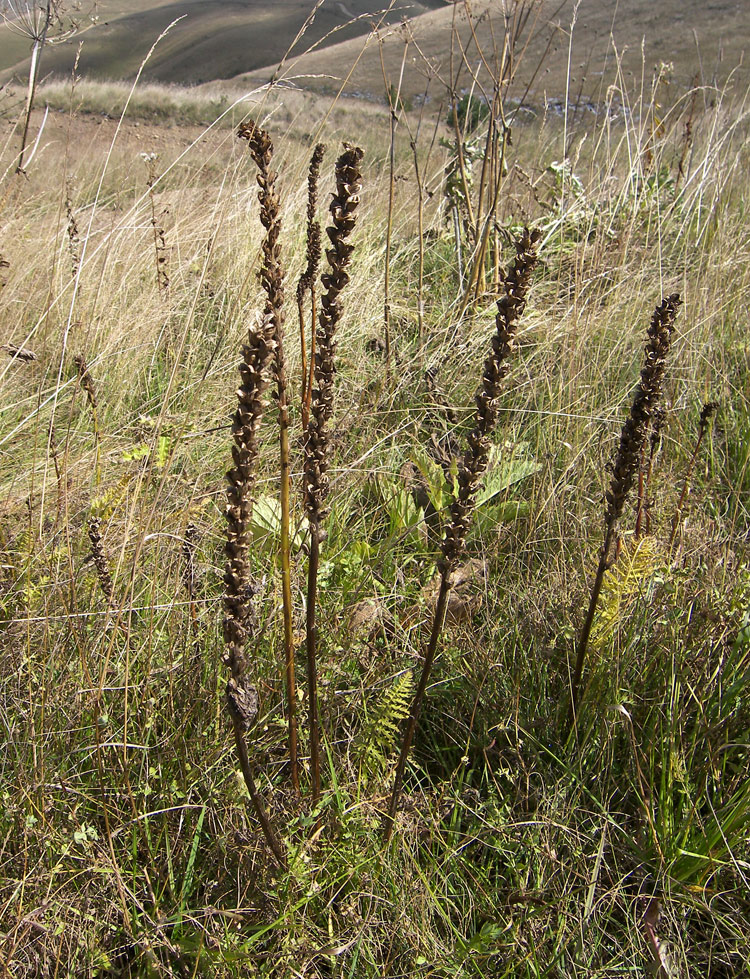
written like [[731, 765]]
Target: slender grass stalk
[[272, 277], [316, 484], [632, 439], [707, 411], [307, 282], [239, 619], [472, 469]]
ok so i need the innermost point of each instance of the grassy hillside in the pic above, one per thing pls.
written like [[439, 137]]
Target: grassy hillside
[[524, 846], [704, 43], [215, 39]]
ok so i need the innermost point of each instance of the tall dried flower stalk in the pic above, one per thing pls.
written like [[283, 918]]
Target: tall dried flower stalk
[[189, 543], [343, 215], [87, 383], [272, 279], [239, 619], [307, 282], [472, 469], [632, 439], [160, 237], [99, 555], [706, 412], [74, 239], [643, 509]]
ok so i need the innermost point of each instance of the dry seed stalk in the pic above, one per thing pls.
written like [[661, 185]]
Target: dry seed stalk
[[707, 411], [74, 240], [272, 278], [188, 575], [632, 440], [307, 282], [472, 469], [238, 625], [343, 214], [160, 238], [643, 509], [100, 557], [87, 383]]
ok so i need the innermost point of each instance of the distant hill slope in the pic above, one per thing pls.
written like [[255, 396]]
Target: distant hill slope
[[703, 40], [216, 39], [244, 41]]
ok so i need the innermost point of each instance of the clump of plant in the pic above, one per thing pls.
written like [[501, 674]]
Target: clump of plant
[[627, 463], [471, 470]]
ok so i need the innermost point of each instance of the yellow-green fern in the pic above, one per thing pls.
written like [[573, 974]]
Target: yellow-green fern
[[380, 734], [624, 584]]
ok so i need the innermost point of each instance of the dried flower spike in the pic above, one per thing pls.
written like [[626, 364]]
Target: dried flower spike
[[343, 214], [632, 439], [472, 469]]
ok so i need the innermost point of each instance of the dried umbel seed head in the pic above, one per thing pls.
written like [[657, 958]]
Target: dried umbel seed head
[[474, 463], [343, 218]]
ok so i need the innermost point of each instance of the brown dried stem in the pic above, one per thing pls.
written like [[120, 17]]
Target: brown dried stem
[[632, 439], [472, 469], [343, 214], [272, 279], [239, 620]]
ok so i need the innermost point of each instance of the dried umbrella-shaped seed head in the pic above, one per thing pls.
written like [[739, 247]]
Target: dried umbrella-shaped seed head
[[343, 214], [509, 308]]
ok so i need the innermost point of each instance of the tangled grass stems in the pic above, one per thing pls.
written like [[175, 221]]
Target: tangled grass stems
[[316, 483], [472, 469], [272, 278], [632, 440]]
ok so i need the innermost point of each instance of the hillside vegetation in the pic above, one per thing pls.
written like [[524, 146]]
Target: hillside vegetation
[[483, 426]]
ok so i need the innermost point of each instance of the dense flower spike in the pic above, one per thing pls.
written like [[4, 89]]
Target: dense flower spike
[[343, 213], [100, 558], [509, 309], [310, 272], [272, 278], [257, 356], [644, 408], [472, 469]]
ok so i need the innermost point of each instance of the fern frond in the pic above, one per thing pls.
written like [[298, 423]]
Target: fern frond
[[623, 584], [379, 736]]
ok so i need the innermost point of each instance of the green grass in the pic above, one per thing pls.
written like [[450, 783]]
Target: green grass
[[126, 843]]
